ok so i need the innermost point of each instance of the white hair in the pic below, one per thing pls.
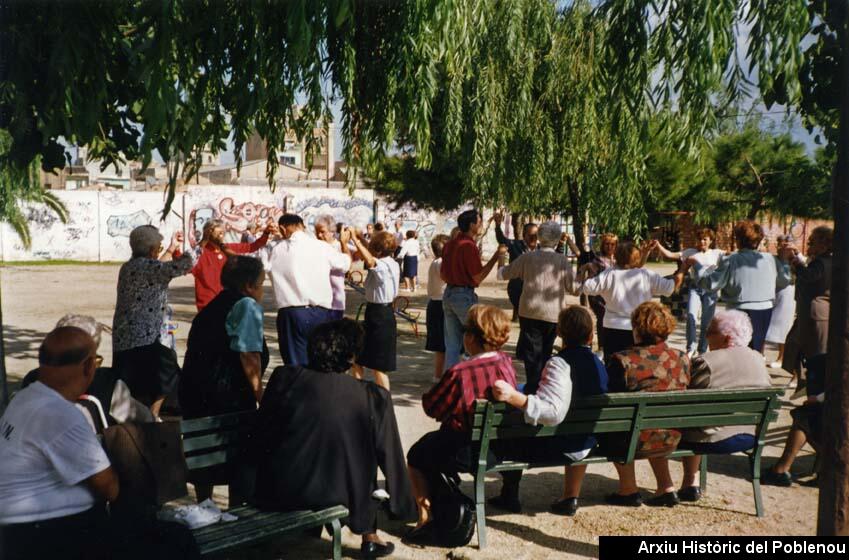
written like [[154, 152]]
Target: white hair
[[548, 234], [84, 322], [144, 240], [327, 221], [734, 324]]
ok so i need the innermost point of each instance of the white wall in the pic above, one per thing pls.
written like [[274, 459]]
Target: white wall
[[100, 221]]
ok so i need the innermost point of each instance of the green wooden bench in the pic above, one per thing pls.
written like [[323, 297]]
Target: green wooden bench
[[628, 414], [217, 440]]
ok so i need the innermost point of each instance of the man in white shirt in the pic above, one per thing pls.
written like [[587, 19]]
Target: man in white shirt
[[300, 268], [54, 474]]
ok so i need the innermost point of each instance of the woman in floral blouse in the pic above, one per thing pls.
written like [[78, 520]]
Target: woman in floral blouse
[[650, 365], [148, 368]]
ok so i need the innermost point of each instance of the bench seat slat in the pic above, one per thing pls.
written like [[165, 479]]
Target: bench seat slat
[[264, 525]]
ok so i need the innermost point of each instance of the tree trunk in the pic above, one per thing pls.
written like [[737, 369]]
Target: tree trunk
[[577, 214], [515, 220], [833, 512]]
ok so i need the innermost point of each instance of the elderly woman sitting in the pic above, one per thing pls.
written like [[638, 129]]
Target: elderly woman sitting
[[321, 435], [148, 368], [546, 279], [650, 365], [451, 401], [730, 364]]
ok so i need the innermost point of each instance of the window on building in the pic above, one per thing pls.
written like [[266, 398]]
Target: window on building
[[287, 160]]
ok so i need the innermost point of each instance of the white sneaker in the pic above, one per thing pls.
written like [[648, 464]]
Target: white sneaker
[[775, 365], [692, 354]]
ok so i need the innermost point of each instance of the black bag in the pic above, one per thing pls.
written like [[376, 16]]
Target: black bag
[[453, 513]]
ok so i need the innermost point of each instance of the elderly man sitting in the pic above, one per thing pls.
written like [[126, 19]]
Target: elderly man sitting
[[54, 475], [730, 364], [547, 278]]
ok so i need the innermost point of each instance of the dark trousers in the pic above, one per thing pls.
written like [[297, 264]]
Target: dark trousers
[[514, 291], [536, 341], [80, 536], [760, 319], [294, 325], [616, 340]]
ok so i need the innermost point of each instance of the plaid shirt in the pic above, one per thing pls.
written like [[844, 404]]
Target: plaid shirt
[[452, 400]]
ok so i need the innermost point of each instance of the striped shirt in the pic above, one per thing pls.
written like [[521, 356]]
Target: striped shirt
[[452, 399]]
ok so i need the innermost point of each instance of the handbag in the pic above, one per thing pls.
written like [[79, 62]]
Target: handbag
[[453, 513], [148, 459]]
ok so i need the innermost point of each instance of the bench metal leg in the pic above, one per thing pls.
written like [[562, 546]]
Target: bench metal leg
[[480, 510], [703, 474], [337, 539], [755, 463]]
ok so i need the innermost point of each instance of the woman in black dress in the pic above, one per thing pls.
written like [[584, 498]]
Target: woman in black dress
[[321, 436]]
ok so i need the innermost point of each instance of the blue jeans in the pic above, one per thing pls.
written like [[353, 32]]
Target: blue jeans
[[704, 302], [456, 302]]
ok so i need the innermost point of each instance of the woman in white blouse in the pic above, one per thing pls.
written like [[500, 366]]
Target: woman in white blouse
[[699, 301], [624, 288]]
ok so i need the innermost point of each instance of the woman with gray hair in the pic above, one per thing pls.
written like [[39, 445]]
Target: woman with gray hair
[[730, 364], [148, 368], [547, 277]]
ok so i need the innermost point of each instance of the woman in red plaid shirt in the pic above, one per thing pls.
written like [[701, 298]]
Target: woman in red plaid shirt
[[452, 400]]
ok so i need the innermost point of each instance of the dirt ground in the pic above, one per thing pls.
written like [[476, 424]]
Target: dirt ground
[[35, 297]]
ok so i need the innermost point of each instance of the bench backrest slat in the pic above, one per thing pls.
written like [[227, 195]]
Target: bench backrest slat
[[215, 440]]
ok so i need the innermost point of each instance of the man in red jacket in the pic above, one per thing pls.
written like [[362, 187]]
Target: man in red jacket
[[214, 252]]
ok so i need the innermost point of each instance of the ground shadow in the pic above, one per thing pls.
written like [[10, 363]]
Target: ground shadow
[[22, 343], [559, 544]]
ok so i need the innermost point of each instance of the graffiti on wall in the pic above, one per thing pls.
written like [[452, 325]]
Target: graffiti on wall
[[350, 211], [426, 223], [236, 217], [122, 225]]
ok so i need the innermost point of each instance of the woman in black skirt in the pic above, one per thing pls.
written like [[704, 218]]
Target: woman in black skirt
[[381, 287]]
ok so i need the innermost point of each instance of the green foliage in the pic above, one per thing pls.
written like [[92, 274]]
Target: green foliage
[[22, 185], [741, 173], [535, 105], [403, 182]]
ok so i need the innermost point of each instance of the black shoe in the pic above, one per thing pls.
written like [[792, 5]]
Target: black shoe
[[513, 505], [668, 499], [690, 494], [631, 500], [566, 506], [376, 550], [772, 478], [423, 535]]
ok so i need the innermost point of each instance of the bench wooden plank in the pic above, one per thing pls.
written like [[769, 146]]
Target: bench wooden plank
[[216, 423], [234, 534], [683, 410], [220, 457], [210, 441]]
